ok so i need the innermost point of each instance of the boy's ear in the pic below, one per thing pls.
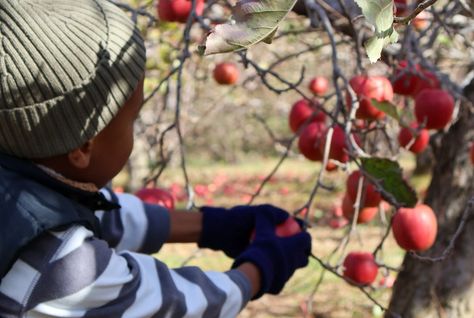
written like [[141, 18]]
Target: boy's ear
[[80, 157]]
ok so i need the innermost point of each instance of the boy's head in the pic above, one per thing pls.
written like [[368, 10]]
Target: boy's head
[[68, 69]]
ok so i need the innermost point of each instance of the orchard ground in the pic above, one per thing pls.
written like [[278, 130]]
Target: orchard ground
[[227, 185]]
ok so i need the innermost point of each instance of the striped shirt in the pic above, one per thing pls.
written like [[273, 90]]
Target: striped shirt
[[72, 273]]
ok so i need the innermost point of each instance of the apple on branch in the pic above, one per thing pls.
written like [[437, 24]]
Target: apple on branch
[[177, 10], [226, 73], [415, 228], [434, 108], [367, 88], [302, 110], [310, 139], [319, 85], [406, 136], [339, 149], [370, 196], [366, 214], [406, 78], [425, 80], [360, 268]]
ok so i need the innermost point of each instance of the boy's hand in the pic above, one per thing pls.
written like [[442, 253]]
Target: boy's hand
[[276, 257], [230, 230]]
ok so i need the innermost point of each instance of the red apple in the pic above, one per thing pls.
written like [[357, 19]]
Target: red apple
[[226, 73], [201, 190], [421, 21], [360, 268], [338, 145], [415, 228], [421, 142], [472, 153], [337, 223], [435, 106], [336, 210], [386, 281], [310, 140], [366, 214], [302, 110], [367, 88], [288, 228], [319, 85], [156, 196], [406, 79], [425, 80], [177, 10], [331, 166], [370, 196], [401, 7]]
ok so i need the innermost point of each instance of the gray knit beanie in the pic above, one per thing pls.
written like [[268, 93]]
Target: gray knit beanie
[[66, 68]]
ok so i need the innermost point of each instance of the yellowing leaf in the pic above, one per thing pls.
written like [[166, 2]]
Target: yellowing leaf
[[253, 21], [380, 14]]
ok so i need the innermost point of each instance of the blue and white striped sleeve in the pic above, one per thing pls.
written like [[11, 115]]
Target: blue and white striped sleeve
[[136, 226], [86, 278]]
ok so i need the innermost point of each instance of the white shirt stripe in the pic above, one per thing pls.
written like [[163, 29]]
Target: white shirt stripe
[[234, 300], [196, 302], [148, 297], [134, 221], [74, 237], [11, 285]]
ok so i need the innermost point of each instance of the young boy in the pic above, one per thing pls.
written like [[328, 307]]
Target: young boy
[[71, 86]]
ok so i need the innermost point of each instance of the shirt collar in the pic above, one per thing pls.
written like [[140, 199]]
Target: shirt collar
[[93, 200]]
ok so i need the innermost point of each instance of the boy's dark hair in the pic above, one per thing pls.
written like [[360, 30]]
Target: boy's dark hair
[[66, 68]]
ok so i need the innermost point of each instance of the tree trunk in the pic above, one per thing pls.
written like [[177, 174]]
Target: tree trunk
[[445, 288]]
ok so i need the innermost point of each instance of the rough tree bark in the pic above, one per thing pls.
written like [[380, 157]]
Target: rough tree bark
[[446, 288]]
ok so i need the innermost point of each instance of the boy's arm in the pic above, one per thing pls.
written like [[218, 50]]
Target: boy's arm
[[136, 226], [185, 226], [142, 227], [85, 277]]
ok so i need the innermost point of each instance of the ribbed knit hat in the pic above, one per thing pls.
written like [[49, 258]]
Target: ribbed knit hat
[[66, 68]]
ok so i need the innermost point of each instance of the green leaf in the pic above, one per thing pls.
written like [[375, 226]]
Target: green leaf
[[387, 107], [379, 13], [390, 176], [375, 45], [253, 21]]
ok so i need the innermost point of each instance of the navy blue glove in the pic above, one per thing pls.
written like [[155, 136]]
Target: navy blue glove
[[277, 258], [229, 230]]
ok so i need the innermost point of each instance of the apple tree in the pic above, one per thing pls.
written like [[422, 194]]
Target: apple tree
[[401, 79]]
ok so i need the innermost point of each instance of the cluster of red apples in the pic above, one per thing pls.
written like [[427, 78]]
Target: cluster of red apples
[[308, 120], [433, 109], [414, 229]]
